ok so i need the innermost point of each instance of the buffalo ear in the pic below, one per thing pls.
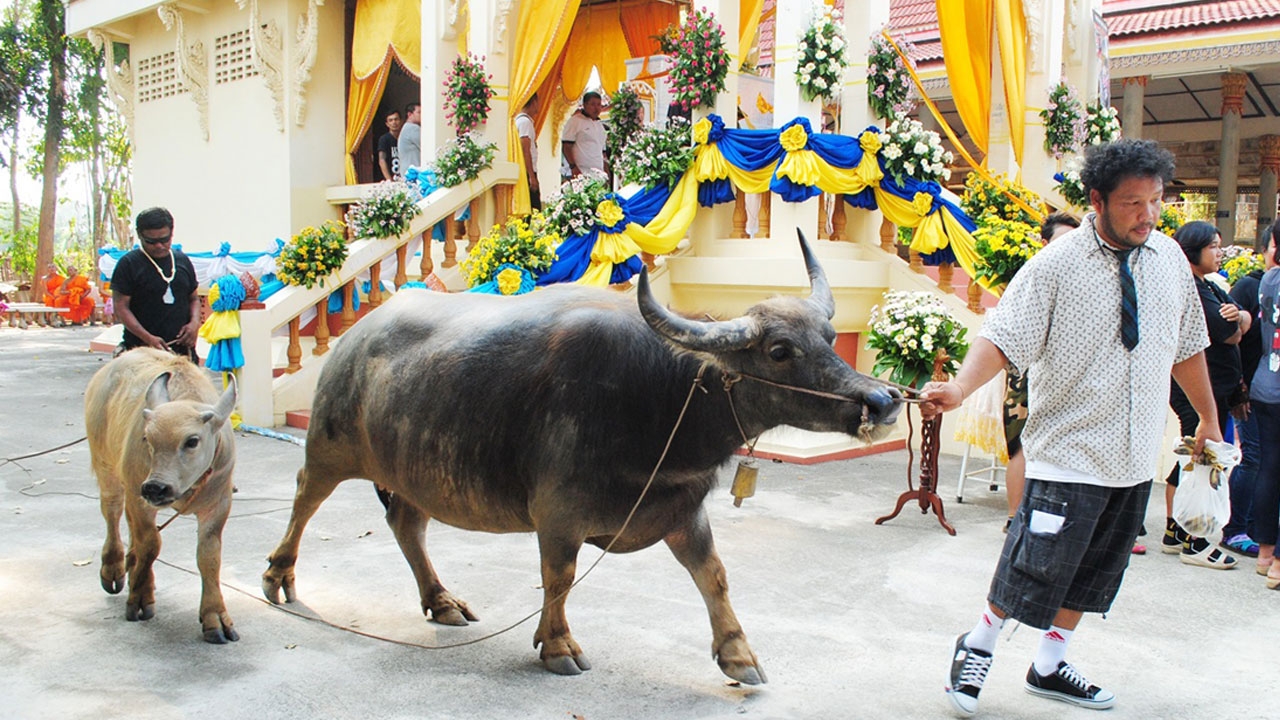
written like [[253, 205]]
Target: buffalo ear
[[158, 393]]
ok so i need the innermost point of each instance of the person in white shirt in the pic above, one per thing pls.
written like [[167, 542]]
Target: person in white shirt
[[529, 149], [409, 144], [582, 141]]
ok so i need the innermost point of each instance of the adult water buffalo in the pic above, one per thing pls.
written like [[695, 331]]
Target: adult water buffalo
[[548, 413]]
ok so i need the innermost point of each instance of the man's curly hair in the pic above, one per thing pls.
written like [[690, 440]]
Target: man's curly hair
[[1106, 165]]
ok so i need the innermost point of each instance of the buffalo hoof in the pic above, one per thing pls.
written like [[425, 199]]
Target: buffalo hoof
[[217, 636], [271, 588], [133, 613], [112, 585], [449, 616], [567, 664], [745, 674]]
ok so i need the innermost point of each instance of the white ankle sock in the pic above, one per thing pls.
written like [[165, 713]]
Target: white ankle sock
[[1052, 650], [983, 635]]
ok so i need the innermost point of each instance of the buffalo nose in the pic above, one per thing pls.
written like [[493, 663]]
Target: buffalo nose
[[156, 493], [884, 404]]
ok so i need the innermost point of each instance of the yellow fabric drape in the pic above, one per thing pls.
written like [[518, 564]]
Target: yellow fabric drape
[[1011, 34], [965, 30], [380, 24], [641, 21], [541, 35], [748, 22], [597, 39], [362, 102]]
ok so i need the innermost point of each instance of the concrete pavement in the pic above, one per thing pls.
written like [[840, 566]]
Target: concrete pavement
[[849, 619]]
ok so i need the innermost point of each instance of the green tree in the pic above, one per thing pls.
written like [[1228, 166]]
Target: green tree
[[21, 62], [52, 32]]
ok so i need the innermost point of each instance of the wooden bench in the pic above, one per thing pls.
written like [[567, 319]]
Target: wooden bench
[[20, 312]]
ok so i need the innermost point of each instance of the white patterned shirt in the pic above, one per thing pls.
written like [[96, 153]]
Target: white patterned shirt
[[1096, 410]]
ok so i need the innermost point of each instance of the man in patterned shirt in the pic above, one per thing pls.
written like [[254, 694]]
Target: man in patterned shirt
[[1097, 412]]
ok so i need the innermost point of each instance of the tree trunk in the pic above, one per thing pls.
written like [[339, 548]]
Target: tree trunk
[[54, 26], [13, 181]]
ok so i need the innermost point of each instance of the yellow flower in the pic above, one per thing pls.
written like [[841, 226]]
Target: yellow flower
[[870, 141], [793, 138], [702, 131], [609, 213], [922, 203], [509, 281]]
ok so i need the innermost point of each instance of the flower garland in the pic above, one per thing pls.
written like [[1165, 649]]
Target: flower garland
[[462, 159], [626, 119], [820, 58], [520, 244], [384, 212], [908, 331], [701, 62], [981, 199], [312, 255], [1102, 123], [888, 82], [573, 212], [1003, 247], [910, 151], [658, 155], [1070, 186], [1064, 123], [467, 93], [1240, 261]]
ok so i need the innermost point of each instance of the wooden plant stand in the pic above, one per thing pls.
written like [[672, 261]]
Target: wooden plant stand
[[926, 495]]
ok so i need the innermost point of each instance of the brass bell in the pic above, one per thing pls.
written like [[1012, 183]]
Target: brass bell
[[744, 481]]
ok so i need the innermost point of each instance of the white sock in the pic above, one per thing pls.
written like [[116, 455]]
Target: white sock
[[1052, 650], [983, 636]]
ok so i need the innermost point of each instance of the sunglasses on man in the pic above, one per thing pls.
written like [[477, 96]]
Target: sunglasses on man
[[157, 241]]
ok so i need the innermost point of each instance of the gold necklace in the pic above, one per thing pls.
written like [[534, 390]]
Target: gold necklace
[[173, 272]]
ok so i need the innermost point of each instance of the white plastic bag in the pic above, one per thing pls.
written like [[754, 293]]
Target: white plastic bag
[[1202, 502]]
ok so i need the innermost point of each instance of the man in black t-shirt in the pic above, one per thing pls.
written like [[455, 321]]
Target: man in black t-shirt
[[388, 159], [154, 290]]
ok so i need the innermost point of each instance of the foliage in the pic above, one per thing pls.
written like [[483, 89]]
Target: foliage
[[658, 155], [1102, 123], [1240, 261], [888, 82], [626, 118], [527, 244], [910, 151], [908, 331], [384, 212], [573, 212], [1064, 122], [467, 93], [1004, 246], [982, 199], [1170, 219], [20, 249], [312, 255], [669, 39], [1070, 186], [462, 159], [700, 62], [820, 59]]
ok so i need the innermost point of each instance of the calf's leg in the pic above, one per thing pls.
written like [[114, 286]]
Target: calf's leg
[[144, 548], [409, 525], [111, 500], [215, 622], [560, 653], [694, 547], [313, 488]]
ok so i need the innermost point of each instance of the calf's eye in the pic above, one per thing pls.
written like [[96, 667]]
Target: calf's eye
[[192, 443]]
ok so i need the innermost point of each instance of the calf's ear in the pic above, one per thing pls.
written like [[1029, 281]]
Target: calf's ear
[[158, 392]]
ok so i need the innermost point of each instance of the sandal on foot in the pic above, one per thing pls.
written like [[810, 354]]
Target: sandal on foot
[[1139, 550], [1242, 544], [1264, 564], [1273, 577], [1208, 556], [1175, 538]]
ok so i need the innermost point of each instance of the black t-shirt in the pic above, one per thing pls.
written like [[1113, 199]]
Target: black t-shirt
[[136, 277], [386, 146], [1223, 359], [1245, 294]]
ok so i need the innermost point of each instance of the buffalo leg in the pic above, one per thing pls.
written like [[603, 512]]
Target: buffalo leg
[[560, 653], [144, 548], [694, 547], [112, 573], [409, 525], [215, 622], [313, 489]]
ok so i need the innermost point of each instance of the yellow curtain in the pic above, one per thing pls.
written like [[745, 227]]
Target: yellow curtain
[[541, 35], [384, 30], [597, 39], [1011, 33], [965, 30], [748, 22], [641, 21]]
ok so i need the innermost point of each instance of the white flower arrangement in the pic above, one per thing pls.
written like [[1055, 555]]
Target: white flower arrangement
[[820, 57], [573, 211], [384, 212], [910, 151], [658, 155], [908, 330], [1102, 123], [1070, 186]]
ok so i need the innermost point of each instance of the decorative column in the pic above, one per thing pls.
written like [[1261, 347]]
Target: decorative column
[[1269, 149], [1233, 85], [791, 23], [713, 224], [861, 21], [1131, 112]]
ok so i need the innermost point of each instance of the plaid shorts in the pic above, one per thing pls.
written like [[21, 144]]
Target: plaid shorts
[[1068, 547]]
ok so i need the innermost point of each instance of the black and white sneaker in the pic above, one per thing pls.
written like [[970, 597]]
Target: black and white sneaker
[[968, 672], [1069, 686]]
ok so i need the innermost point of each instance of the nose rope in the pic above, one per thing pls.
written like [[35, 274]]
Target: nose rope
[[731, 378]]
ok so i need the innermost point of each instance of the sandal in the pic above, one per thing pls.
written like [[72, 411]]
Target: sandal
[[1264, 565], [1242, 544], [1210, 557], [1273, 577]]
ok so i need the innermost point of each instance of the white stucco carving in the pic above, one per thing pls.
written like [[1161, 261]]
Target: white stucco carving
[[305, 50], [1076, 14], [119, 82], [1033, 10], [449, 19], [502, 13], [1161, 60], [268, 57], [193, 68]]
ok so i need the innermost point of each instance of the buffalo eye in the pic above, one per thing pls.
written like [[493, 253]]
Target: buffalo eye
[[192, 443], [780, 353]]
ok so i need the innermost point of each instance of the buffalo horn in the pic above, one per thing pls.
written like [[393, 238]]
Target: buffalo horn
[[721, 336], [820, 296]]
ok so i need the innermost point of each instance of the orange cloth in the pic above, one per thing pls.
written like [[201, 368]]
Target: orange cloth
[[51, 286], [74, 295]]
